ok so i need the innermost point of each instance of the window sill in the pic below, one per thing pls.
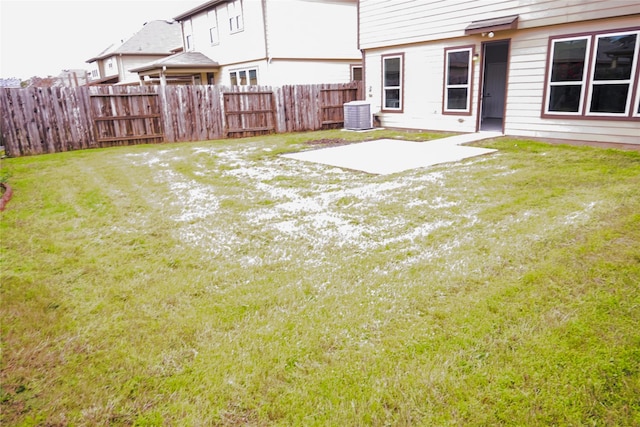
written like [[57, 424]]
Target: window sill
[[589, 117], [456, 113]]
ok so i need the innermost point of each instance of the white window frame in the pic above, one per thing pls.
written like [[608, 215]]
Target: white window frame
[[630, 81], [399, 87], [588, 78], [110, 70], [214, 33], [582, 83], [188, 36], [236, 18], [236, 74], [467, 86], [353, 71]]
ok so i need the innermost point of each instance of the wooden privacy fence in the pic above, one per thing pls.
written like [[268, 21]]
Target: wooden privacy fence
[[49, 120], [249, 112], [125, 118]]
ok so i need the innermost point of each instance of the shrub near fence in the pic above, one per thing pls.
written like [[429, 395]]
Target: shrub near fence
[[49, 120]]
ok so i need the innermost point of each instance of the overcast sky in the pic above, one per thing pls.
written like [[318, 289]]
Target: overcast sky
[[44, 37]]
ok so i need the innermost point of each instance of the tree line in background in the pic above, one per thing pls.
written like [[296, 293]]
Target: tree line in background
[[34, 81], [66, 78]]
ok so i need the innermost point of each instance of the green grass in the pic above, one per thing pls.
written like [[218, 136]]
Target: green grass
[[216, 283]]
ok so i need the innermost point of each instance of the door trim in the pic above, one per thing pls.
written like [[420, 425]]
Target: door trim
[[480, 90]]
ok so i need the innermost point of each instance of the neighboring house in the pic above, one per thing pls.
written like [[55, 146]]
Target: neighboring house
[[265, 42], [156, 40], [73, 78], [562, 69]]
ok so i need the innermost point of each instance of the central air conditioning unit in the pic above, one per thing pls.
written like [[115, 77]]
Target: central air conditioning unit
[[357, 115]]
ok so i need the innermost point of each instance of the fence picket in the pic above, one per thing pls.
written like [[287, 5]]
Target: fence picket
[[48, 120]]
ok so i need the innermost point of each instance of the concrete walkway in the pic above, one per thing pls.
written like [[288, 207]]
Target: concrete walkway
[[387, 156]]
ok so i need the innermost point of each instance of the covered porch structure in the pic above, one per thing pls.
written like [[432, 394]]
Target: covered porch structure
[[181, 68]]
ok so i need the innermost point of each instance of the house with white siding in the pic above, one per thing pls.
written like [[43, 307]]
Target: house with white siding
[[154, 41], [555, 69], [264, 42]]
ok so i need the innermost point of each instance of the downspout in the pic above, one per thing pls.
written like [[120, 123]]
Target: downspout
[[121, 76], [163, 76], [267, 54], [364, 68]]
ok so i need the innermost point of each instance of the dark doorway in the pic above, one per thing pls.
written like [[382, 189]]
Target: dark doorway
[[494, 85]]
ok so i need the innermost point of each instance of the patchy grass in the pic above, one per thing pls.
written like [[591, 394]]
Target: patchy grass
[[217, 283]]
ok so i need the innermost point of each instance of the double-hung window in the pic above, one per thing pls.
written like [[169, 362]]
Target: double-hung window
[[593, 75], [188, 35], [615, 58], [236, 22], [566, 86], [214, 36], [392, 76], [457, 88]]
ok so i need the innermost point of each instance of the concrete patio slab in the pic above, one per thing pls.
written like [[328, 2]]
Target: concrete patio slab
[[387, 156]]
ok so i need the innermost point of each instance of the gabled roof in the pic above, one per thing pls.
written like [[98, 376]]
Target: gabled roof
[[191, 60], [198, 9], [155, 38]]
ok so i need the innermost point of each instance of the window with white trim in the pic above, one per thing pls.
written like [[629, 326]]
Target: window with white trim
[[236, 21], [214, 36], [567, 75], [188, 36], [457, 87], [606, 87], [244, 77], [615, 58], [392, 75]]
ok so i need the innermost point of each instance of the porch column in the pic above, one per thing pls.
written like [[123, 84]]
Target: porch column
[[163, 76]]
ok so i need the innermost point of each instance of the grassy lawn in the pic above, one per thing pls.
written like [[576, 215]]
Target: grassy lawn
[[216, 283]]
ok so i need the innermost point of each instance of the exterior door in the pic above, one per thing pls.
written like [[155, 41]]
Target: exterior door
[[494, 85]]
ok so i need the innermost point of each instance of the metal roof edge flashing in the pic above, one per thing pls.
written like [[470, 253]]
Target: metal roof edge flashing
[[493, 24]]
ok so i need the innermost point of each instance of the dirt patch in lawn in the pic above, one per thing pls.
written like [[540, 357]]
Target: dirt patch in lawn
[[6, 192], [329, 142]]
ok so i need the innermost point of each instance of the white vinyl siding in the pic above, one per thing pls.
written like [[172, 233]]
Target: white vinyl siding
[[525, 104], [311, 28], [387, 23], [286, 41]]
